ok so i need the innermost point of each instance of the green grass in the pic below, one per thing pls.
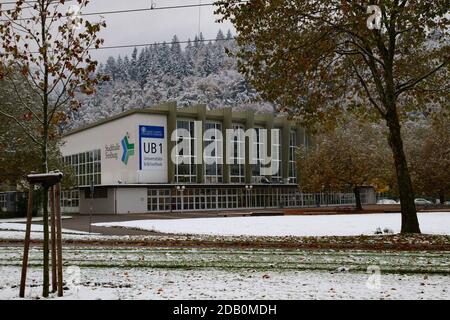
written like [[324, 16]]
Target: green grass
[[234, 260]]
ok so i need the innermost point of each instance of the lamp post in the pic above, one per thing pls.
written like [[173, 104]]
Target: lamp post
[[248, 189], [181, 190], [91, 209]]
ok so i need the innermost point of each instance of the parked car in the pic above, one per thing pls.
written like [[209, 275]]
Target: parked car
[[387, 201], [422, 202]]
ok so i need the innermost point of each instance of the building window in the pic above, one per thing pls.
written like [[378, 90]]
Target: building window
[[3, 200], [214, 159], [258, 153], [70, 198], [292, 157], [186, 172], [87, 167], [99, 193], [197, 199], [257, 147], [158, 200], [276, 158], [237, 163]]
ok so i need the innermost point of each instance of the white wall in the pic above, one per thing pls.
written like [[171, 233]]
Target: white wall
[[109, 136], [131, 200], [99, 205]]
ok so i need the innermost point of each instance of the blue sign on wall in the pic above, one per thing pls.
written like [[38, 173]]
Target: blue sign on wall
[[151, 147], [151, 132]]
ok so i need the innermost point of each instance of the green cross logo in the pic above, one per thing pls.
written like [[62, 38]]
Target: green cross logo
[[128, 149]]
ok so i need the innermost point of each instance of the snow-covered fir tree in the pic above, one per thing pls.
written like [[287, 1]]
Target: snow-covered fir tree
[[201, 72]]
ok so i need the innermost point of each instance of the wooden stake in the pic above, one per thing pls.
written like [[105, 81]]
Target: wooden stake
[[53, 237], [59, 238], [27, 242]]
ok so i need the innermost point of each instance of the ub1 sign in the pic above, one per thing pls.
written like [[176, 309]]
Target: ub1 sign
[[151, 144]]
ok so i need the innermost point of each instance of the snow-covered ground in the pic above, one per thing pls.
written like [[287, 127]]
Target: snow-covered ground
[[35, 219], [12, 226], [110, 283], [214, 273], [13, 230], [330, 225]]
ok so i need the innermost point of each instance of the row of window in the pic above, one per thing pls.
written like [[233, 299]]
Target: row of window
[[186, 172], [70, 198], [193, 199], [87, 167]]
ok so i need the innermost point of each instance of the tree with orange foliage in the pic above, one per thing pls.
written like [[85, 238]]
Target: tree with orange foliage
[[49, 44], [320, 59]]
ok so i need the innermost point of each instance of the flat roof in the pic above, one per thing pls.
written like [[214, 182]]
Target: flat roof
[[164, 109]]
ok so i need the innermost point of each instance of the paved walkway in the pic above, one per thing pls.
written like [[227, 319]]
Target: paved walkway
[[81, 222]]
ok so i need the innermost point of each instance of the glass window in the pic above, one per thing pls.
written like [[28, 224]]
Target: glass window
[[237, 163], [214, 160], [292, 157], [185, 172], [87, 167]]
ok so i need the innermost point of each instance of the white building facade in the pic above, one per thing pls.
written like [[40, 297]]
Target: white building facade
[[124, 164]]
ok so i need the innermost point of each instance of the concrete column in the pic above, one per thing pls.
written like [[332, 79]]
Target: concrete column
[[269, 127], [285, 148], [300, 142], [227, 124], [201, 116], [249, 124], [171, 127]]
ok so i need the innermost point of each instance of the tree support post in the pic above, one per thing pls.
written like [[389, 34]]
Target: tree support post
[[52, 191], [27, 242], [53, 238], [59, 239]]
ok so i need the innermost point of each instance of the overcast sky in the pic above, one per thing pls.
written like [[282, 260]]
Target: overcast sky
[[153, 26], [148, 26]]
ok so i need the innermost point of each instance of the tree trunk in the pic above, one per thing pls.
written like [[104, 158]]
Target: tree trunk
[[45, 134], [357, 193], [410, 223], [46, 278]]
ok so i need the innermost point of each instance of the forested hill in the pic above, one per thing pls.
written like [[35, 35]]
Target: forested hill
[[201, 72]]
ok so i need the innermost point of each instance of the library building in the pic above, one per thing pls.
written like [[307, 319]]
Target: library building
[[169, 159]]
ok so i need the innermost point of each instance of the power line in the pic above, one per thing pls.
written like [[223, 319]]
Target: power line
[[159, 43], [14, 2], [199, 17], [152, 8], [183, 6], [31, 1]]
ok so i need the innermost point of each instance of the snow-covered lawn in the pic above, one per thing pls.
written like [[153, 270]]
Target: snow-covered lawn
[[35, 219], [195, 273], [16, 231], [114, 283], [11, 226], [331, 225]]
